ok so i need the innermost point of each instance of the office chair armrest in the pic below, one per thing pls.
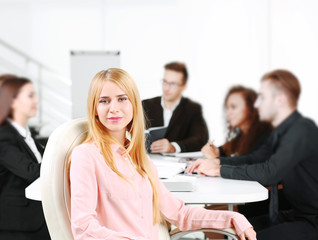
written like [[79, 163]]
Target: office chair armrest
[[230, 232]]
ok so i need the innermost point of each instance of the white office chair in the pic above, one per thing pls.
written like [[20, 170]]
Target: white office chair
[[55, 191]]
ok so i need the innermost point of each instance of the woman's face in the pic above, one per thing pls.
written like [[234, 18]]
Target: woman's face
[[25, 103], [114, 109], [236, 110]]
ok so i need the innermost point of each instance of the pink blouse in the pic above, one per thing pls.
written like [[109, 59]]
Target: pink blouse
[[105, 206]]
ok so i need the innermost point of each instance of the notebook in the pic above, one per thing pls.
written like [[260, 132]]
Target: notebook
[[168, 169], [153, 134]]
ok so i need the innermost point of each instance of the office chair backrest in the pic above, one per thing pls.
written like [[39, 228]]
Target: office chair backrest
[[55, 189]]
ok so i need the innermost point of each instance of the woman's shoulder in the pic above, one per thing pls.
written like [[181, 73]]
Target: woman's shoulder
[[265, 129], [84, 148], [7, 131], [84, 154], [261, 137], [5, 126]]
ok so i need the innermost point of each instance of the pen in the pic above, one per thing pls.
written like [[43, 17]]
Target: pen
[[211, 143]]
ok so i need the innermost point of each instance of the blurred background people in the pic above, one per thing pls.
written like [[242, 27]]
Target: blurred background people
[[288, 157], [20, 161], [187, 130], [245, 131], [245, 134]]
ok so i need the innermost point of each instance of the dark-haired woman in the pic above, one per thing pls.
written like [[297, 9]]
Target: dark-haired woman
[[245, 132], [20, 160]]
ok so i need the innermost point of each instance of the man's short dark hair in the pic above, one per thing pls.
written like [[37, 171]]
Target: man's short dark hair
[[178, 67]]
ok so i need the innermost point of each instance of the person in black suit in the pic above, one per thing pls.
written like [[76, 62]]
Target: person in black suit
[[186, 128], [20, 161], [289, 157]]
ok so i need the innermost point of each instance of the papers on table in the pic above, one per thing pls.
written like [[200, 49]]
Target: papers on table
[[185, 154], [171, 164], [168, 167], [168, 170], [180, 183]]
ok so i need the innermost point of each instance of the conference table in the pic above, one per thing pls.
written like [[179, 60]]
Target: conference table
[[217, 190], [214, 190], [207, 190]]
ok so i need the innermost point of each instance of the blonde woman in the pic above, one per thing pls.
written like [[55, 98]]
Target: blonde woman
[[115, 189]]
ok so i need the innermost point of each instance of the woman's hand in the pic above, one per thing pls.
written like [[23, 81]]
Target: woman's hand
[[250, 234], [210, 151]]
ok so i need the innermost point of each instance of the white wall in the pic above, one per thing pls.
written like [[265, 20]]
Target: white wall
[[294, 46], [223, 42]]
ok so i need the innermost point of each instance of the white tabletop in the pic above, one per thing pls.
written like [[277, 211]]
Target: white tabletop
[[209, 190], [217, 190]]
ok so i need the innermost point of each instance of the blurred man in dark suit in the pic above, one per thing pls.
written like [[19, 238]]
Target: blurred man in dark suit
[[186, 127]]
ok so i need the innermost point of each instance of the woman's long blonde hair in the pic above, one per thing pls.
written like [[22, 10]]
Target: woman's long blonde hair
[[135, 148]]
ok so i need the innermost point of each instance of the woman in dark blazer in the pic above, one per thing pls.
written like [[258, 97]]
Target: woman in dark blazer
[[20, 161]]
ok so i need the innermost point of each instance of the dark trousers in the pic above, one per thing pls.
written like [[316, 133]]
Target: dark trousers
[[255, 209], [289, 228]]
